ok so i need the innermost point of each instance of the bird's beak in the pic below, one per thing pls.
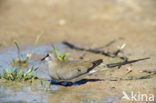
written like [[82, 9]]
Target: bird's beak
[[45, 57]]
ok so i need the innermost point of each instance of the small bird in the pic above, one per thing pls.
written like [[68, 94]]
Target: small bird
[[68, 70]]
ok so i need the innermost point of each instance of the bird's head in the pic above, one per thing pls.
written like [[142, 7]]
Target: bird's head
[[49, 57]]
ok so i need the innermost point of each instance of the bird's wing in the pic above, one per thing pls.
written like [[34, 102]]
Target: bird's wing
[[85, 67], [75, 69]]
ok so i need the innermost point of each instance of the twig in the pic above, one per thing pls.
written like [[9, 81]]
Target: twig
[[88, 50], [129, 70], [149, 71], [109, 54], [107, 45], [128, 78], [125, 62], [120, 50]]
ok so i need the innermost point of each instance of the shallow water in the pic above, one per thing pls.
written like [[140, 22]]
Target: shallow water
[[39, 91]]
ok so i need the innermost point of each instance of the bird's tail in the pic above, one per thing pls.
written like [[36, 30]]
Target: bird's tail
[[97, 62]]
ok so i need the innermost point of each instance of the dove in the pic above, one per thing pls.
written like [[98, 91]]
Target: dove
[[67, 70]]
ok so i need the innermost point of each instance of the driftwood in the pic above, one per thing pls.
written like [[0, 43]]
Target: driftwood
[[109, 54]]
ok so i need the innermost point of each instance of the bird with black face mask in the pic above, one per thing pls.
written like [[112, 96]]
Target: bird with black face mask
[[68, 70]]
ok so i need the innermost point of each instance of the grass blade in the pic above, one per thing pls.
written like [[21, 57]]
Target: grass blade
[[18, 49], [37, 39]]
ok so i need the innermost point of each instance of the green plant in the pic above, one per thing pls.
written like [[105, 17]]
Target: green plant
[[37, 39], [21, 60], [17, 70], [18, 49], [18, 74], [62, 56]]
